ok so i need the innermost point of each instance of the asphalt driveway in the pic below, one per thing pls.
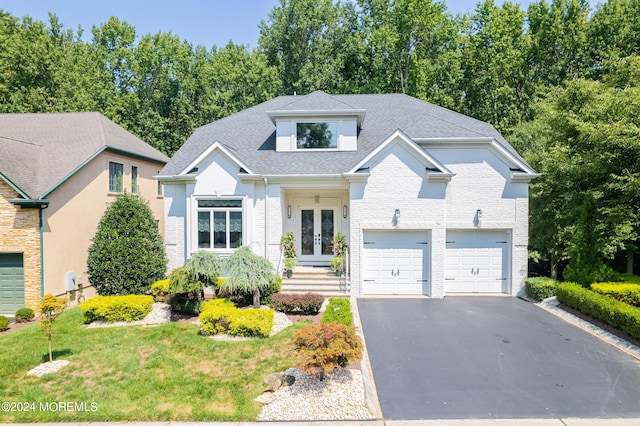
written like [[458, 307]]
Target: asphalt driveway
[[492, 357]]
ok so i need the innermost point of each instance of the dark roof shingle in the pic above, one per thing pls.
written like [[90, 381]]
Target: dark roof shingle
[[38, 151]]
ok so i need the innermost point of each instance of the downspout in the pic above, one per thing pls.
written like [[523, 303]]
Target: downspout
[[41, 253], [266, 218]]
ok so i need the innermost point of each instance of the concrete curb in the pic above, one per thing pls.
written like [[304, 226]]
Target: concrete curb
[[370, 392]]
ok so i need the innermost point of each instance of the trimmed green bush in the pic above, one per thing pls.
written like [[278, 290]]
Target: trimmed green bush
[[127, 253], [539, 288], [4, 323], [630, 279], [615, 313], [252, 322], [187, 303], [627, 293], [304, 304], [24, 315], [160, 290], [116, 308], [338, 312], [222, 316]]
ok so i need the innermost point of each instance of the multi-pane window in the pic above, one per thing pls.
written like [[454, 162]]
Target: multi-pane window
[[318, 135], [134, 180], [219, 224], [115, 177]]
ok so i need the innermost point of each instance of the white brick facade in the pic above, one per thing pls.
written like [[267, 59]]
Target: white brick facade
[[397, 180]]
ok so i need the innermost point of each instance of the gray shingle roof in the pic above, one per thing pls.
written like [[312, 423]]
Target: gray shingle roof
[[250, 134], [38, 151]]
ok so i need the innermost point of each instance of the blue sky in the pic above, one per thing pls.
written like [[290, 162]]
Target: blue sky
[[204, 22]]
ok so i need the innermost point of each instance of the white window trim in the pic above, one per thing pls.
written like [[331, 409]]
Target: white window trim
[[338, 137], [196, 210]]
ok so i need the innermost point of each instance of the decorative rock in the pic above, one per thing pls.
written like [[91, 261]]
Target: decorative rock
[[339, 397], [47, 368], [288, 380], [273, 381], [265, 398]]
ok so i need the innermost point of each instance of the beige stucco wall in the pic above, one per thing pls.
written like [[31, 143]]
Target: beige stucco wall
[[74, 211], [19, 233]]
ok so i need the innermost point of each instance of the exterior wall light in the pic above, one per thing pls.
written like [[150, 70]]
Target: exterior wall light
[[289, 211], [344, 211], [397, 214]]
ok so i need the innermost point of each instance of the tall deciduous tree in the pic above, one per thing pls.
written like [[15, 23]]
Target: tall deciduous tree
[[586, 205], [496, 78]]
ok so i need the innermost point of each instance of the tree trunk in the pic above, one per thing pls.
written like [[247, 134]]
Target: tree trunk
[[630, 255], [553, 266], [50, 353], [256, 298]]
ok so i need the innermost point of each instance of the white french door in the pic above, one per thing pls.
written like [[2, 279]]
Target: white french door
[[316, 227]]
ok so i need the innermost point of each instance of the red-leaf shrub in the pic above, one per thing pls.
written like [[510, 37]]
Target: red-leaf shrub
[[327, 346], [305, 304]]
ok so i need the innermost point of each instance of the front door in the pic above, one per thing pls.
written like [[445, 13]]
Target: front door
[[317, 226]]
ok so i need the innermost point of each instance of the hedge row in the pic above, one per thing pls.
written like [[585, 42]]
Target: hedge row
[[305, 304], [627, 293], [615, 313], [539, 288], [116, 308], [338, 311], [222, 316]]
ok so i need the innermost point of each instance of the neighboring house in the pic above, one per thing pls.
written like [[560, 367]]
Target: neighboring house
[[432, 202], [58, 173]]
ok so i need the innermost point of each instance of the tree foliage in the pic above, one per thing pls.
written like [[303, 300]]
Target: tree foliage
[[248, 273], [50, 308], [127, 253], [586, 205]]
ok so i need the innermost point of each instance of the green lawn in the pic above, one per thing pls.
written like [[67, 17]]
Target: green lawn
[[168, 372]]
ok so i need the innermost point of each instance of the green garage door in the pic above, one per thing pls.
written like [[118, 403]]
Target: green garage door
[[11, 283]]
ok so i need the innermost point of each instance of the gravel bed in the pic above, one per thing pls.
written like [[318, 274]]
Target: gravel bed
[[339, 397], [47, 367], [160, 313]]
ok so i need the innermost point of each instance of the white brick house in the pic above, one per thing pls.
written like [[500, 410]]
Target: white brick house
[[432, 202]]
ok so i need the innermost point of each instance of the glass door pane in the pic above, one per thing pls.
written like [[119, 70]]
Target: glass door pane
[[326, 220], [306, 232]]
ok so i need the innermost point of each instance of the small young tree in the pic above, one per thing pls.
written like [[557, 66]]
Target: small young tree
[[50, 308], [127, 254], [205, 267], [248, 273]]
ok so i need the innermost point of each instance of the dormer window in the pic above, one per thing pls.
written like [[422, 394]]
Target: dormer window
[[317, 135]]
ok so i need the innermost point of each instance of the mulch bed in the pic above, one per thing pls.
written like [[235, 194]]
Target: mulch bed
[[16, 326], [601, 324]]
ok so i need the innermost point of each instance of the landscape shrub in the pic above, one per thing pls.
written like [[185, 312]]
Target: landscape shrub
[[222, 316], [338, 311], [630, 279], [127, 253], [588, 273], [24, 315], [205, 267], [539, 288], [305, 304], [327, 346], [216, 315], [4, 323], [252, 322], [186, 303], [116, 308], [627, 293], [160, 290], [615, 313], [265, 294]]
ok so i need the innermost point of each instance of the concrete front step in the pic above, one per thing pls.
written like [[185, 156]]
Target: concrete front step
[[320, 280]]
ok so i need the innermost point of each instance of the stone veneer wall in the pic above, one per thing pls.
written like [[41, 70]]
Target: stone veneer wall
[[19, 233]]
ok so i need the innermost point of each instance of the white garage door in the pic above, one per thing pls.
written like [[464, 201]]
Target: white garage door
[[396, 262], [476, 262]]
